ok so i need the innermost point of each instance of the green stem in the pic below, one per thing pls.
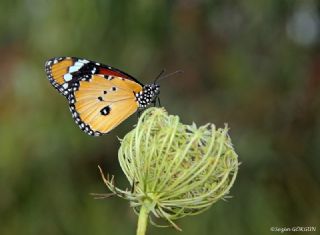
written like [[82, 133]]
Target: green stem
[[143, 220]]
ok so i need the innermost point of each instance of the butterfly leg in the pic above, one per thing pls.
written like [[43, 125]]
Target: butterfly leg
[[139, 113], [159, 103]]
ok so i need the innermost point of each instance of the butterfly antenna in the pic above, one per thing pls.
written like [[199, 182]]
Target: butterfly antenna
[[162, 72], [168, 75]]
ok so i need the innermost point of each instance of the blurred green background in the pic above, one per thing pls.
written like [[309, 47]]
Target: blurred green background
[[252, 64]]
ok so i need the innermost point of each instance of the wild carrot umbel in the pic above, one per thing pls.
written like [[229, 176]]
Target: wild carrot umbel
[[175, 169]]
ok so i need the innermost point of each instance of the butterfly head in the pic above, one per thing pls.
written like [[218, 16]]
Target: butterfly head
[[148, 94]]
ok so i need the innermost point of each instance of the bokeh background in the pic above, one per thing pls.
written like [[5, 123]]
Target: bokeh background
[[252, 64]]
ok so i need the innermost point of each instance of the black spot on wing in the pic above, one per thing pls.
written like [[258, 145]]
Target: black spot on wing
[[105, 111]]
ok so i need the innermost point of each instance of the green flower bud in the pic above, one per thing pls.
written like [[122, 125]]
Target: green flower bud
[[175, 169]]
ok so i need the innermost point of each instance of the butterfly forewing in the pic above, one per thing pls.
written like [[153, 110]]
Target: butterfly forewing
[[65, 72]]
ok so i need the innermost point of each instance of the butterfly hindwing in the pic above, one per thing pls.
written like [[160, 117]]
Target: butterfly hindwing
[[100, 104]]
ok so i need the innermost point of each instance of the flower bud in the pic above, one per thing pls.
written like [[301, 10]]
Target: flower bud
[[175, 169]]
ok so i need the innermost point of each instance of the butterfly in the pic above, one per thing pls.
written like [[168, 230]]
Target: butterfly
[[100, 97]]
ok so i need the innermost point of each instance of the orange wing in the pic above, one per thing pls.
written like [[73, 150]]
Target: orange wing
[[102, 103], [59, 69]]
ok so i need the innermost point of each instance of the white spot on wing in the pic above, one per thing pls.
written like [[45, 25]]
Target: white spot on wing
[[67, 77], [75, 67], [78, 64]]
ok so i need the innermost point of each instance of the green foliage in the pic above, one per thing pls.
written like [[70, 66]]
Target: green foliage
[[244, 65]]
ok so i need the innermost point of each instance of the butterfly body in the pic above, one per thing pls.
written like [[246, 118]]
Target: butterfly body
[[100, 97]]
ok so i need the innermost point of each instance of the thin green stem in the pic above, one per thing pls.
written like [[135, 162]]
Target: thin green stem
[[143, 220]]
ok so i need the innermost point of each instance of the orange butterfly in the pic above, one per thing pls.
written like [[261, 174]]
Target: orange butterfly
[[100, 97]]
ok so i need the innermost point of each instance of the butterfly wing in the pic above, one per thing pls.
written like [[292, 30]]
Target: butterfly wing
[[65, 72], [99, 105], [100, 97]]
